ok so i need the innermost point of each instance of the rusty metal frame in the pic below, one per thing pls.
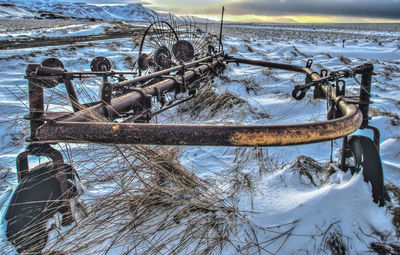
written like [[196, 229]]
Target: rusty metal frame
[[100, 122], [93, 124]]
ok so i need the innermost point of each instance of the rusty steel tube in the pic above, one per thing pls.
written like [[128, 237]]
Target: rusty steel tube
[[163, 72], [36, 106], [226, 135], [223, 135], [342, 105], [126, 102], [287, 67]]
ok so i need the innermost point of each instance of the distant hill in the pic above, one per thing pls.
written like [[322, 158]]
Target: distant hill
[[11, 11], [24, 9]]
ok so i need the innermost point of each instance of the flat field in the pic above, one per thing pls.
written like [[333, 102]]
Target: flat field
[[228, 200]]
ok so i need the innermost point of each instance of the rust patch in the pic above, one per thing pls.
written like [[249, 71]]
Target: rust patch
[[254, 139], [288, 136]]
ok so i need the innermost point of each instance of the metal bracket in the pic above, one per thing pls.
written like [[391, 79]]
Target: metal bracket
[[340, 90], [36, 150], [309, 63], [324, 73], [106, 92]]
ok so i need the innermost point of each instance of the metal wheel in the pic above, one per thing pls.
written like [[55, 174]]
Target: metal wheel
[[155, 51], [193, 43], [36, 199], [365, 155]]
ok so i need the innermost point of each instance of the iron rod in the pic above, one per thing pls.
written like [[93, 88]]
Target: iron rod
[[224, 135], [36, 106], [365, 92], [74, 129], [294, 68], [164, 72], [73, 98], [220, 29], [127, 102]]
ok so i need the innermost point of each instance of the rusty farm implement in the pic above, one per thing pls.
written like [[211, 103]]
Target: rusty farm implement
[[171, 66]]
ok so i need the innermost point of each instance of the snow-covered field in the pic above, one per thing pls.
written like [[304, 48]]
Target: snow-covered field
[[69, 29], [286, 200]]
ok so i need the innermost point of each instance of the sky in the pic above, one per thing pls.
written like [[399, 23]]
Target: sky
[[278, 10]]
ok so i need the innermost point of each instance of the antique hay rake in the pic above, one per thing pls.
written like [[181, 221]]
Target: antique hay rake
[[173, 62]]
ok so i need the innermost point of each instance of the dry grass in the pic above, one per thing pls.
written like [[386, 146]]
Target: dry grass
[[345, 60], [384, 248], [249, 48], [232, 49], [270, 73], [246, 156], [393, 201], [312, 172], [129, 61], [248, 81], [149, 202], [297, 52], [333, 242], [394, 117], [210, 103], [154, 205]]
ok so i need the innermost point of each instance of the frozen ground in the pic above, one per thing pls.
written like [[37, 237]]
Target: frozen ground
[[19, 33], [280, 207]]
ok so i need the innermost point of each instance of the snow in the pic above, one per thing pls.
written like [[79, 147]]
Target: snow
[[14, 12], [68, 30], [128, 12], [345, 203], [283, 199]]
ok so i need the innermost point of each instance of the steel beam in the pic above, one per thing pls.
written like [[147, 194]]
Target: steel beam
[[82, 128]]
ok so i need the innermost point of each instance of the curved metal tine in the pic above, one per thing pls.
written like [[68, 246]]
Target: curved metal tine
[[148, 19], [150, 37], [194, 20], [157, 16], [170, 38], [188, 27], [171, 19], [151, 41], [167, 34], [200, 41], [185, 22], [161, 30], [175, 26], [174, 22], [152, 16], [191, 28], [157, 32]]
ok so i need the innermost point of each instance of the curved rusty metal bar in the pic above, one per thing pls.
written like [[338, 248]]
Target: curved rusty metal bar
[[224, 135], [73, 129]]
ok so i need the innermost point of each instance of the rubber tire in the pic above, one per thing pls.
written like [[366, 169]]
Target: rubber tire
[[34, 202], [367, 158]]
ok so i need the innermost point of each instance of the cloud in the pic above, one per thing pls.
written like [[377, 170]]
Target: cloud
[[378, 9], [389, 9]]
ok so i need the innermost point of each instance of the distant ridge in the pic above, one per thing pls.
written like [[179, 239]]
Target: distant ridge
[[128, 12], [8, 11]]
